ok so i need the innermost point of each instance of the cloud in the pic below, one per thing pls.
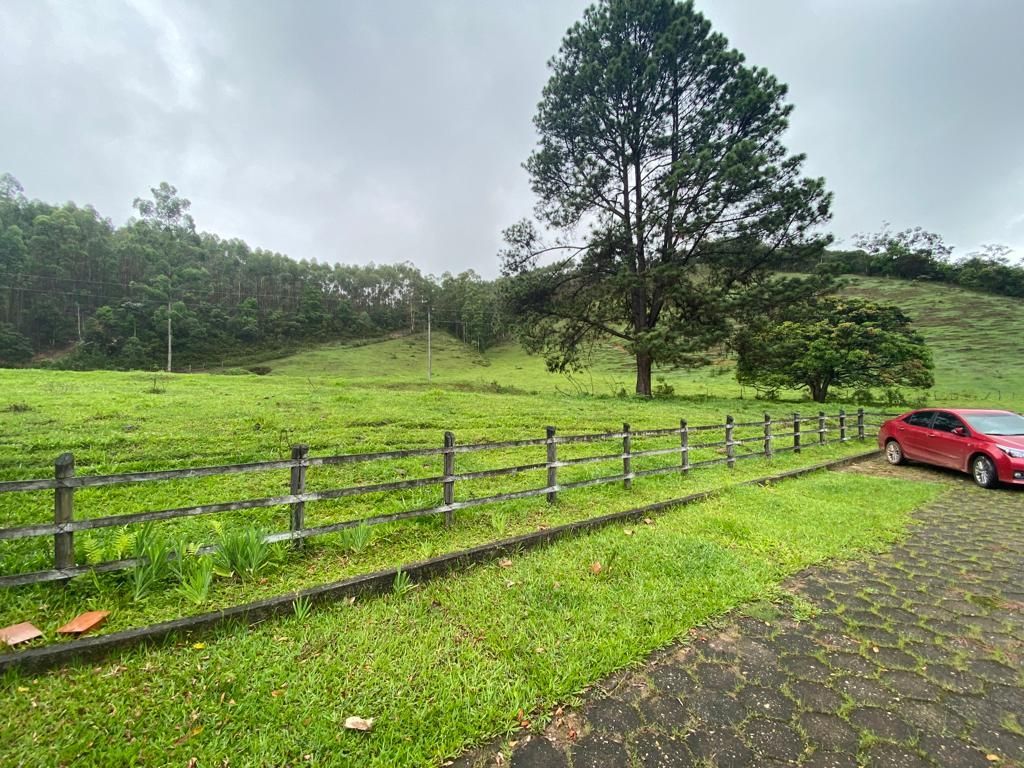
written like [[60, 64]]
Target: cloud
[[395, 131]]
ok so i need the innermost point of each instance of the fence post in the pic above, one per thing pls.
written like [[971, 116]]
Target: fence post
[[860, 423], [64, 512], [298, 485], [821, 428], [730, 449], [552, 469], [767, 435], [796, 432], [684, 444], [627, 462], [449, 470], [842, 425]]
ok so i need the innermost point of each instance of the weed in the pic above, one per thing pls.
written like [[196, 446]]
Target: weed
[[301, 608], [195, 574], [402, 584], [244, 553], [355, 539], [499, 521], [152, 552]]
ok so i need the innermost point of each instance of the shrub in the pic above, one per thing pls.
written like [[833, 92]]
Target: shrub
[[244, 553]]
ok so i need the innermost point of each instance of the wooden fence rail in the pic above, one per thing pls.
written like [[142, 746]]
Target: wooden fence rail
[[65, 481]]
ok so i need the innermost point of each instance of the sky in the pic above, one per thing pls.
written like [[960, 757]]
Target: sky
[[377, 130]]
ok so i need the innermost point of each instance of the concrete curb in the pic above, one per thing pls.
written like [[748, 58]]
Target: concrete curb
[[61, 654]]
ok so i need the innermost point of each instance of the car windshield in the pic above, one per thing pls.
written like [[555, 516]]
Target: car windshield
[[996, 423]]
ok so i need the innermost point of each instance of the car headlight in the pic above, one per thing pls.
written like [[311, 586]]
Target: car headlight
[[1013, 453]]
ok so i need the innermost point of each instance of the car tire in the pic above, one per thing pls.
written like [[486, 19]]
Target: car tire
[[984, 471], [894, 453]]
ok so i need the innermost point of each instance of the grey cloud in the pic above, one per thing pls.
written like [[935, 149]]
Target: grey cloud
[[395, 131]]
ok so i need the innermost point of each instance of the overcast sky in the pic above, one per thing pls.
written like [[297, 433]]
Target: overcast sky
[[389, 131]]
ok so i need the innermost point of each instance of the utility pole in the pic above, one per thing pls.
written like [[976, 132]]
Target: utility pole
[[168, 334], [429, 360], [78, 314]]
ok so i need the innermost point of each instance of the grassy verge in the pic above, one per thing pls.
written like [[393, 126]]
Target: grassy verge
[[451, 663]]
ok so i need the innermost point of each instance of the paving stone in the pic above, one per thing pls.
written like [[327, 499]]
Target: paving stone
[[882, 723], [893, 658], [765, 702], [830, 760], [953, 752], [829, 732], [716, 677], [815, 696], [878, 636], [664, 712], [852, 663], [721, 745], [863, 691], [999, 741], [538, 752], [910, 685], [952, 679], [993, 671], [932, 717], [894, 756], [661, 753], [794, 643], [611, 714], [598, 751], [806, 668], [714, 708], [672, 679], [772, 739]]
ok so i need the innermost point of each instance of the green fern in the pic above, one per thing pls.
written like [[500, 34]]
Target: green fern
[[93, 549]]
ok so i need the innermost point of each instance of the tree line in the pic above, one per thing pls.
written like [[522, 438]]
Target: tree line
[[70, 279]]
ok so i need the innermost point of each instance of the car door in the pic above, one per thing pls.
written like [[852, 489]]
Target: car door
[[948, 448], [912, 434]]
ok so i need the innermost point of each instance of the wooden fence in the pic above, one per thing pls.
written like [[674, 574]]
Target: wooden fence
[[797, 432]]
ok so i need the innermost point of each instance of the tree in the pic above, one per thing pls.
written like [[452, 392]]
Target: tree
[[908, 254], [14, 348], [660, 142], [833, 342]]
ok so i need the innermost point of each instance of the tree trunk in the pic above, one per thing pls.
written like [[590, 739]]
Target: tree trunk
[[819, 392], [643, 374]]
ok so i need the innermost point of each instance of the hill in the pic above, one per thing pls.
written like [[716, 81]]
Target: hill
[[976, 340]]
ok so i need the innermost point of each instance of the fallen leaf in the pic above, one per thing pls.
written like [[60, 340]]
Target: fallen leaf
[[557, 585], [572, 734], [359, 723], [595, 567], [277, 693], [505, 562], [992, 758], [22, 689], [539, 649], [199, 646], [648, 521], [874, 649], [558, 712], [628, 531]]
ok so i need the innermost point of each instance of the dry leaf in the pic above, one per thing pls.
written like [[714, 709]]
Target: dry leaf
[[275, 694], [992, 758], [359, 723], [595, 567], [628, 531], [505, 562], [539, 649], [648, 521], [199, 646]]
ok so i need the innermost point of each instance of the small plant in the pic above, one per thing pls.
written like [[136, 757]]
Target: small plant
[[18, 408], [244, 553], [402, 584], [156, 387], [301, 608], [152, 567], [195, 576], [356, 539], [663, 388], [499, 521]]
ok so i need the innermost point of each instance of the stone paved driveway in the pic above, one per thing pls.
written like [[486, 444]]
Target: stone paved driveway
[[913, 658]]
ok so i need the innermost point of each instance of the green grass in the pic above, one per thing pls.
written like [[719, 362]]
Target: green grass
[[222, 419], [977, 339], [451, 663]]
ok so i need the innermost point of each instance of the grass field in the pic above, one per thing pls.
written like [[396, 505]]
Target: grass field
[[977, 341], [451, 663]]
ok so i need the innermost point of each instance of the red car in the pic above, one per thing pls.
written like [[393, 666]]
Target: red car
[[987, 444]]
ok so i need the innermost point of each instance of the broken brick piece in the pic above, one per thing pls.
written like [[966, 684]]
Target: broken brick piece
[[84, 622], [19, 633]]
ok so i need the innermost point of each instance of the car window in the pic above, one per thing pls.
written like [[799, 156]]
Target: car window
[[946, 422], [920, 419], [996, 423]]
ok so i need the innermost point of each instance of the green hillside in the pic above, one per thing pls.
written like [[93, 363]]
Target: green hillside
[[976, 340]]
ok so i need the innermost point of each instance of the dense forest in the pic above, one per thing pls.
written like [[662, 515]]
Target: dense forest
[[72, 282], [100, 296]]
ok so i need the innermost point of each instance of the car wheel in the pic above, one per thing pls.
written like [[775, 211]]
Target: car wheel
[[894, 453], [984, 471]]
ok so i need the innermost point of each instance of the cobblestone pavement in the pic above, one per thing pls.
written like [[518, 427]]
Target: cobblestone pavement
[[912, 658]]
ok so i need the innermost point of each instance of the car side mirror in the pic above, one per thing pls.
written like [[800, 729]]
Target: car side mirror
[[959, 431]]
